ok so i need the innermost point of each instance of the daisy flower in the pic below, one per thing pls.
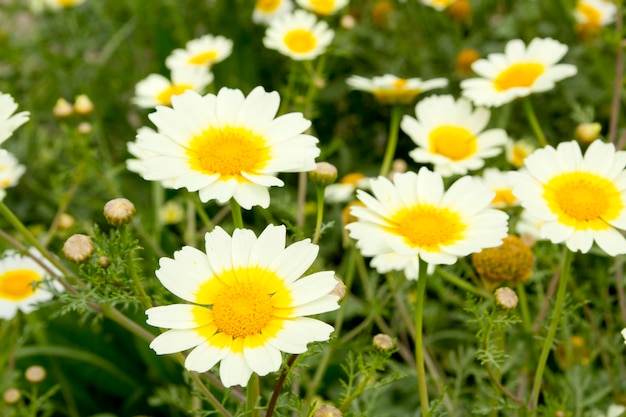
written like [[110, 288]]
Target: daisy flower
[[267, 10], [517, 151], [202, 52], [249, 303], [9, 122], [323, 7], [439, 5], [136, 149], [520, 71], [40, 5], [227, 145], [593, 14], [156, 90], [414, 218], [389, 89], [624, 334], [10, 171], [298, 35], [451, 136], [498, 182], [580, 199], [343, 191], [22, 283]]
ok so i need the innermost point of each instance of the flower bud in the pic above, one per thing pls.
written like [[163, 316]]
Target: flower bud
[[84, 128], [464, 60], [171, 212], [324, 174], [78, 248], [327, 411], [119, 211], [506, 298], [11, 396], [66, 221], [588, 132], [460, 10], [62, 108], [383, 342], [103, 262], [82, 104], [347, 21], [35, 374]]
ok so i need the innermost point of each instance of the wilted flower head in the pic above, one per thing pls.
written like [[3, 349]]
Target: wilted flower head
[[389, 89], [520, 71], [202, 53], [298, 35], [511, 261], [9, 121]]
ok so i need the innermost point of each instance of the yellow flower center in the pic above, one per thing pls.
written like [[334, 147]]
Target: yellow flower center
[[428, 227], [456, 143], [352, 178], [324, 7], [267, 6], [518, 155], [400, 83], [228, 151], [592, 14], [203, 58], [504, 196], [165, 96], [523, 74], [66, 3], [444, 3], [300, 41], [17, 284], [583, 200]]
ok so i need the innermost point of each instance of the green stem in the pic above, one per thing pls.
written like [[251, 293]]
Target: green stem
[[461, 283], [419, 339], [235, 210], [207, 394], [392, 140], [534, 123], [145, 300], [554, 323], [206, 220], [252, 393], [320, 213], [523, 304]]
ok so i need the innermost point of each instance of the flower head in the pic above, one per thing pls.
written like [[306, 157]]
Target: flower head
[[137, 149], [438, 5], [343, 191], [591, 15], [10, 171], [156, 90], [517, 151], [511, 261], [323, 7], [498, 182], [9, 122], [267, 10], [249, 303], [22, 284], [227, 145], [298, 35], [389, 89], [202, 53], [520, 71], [580, 199], [415, 218], [451, 136]]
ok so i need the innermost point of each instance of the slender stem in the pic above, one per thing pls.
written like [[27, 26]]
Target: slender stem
[[118, 317], [554, 323], [206, 220], [618, 81], [252, 393], [319, 189], [210, 397], [392, 140], [235, 210], [461, 283], [419, 339], [145, 300], [534, 123], [523, 304], [301, 199], [279, 385]]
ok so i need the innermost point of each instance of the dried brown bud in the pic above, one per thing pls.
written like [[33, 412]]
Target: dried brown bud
[[78, 248], [119, 211], [506, 298], [339, 290], [383, 342], [35, 374]]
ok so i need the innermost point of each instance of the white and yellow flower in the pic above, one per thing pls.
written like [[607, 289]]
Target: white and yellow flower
[[389, 89], [498, 182], [323, 7], [202, 52], [517, 151], [41, 5], [414, 218], [439, 5], [343, 191], [580, 199], [10, 171], [593, 14], [249, 303], [227, 145], [136, 149], [267, 10], [520, 71], [157, 90], [298, 35], [9, 121], [450, 135], [624, 334], [24, 283]]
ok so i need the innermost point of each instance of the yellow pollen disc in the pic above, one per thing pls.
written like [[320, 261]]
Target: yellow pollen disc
[[66, 3], [519, 155], [300, 41], [228, 151], [17, 284], [165, 96], [267, 6], [443, 2], [399, 83], [352, 178], [592, 14], [504, 196], [456, 143], [583, 200], [204, 58], [324, 7], [428, 227], [523, 74]]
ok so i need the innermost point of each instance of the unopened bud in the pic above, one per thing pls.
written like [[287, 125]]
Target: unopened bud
[[82, 104], [588, 132], [11, 396], [63, 108], [119, 211], [327, 411], [103, 262], [506, 298], [84, 128], [78, 248], [324, 174], [35, 374], [66, 221], [460, 10], [339, 290], [383, 342], [347, 21]]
